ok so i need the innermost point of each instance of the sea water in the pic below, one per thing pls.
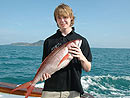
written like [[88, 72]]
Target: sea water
[[108, 78]]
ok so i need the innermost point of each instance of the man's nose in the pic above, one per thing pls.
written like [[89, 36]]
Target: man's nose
[[62, 19]]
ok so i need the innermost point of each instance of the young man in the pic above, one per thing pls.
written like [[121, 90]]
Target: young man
[[66, 83]]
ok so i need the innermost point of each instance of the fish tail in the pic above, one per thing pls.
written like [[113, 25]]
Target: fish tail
[[27, 85], [29, 90]]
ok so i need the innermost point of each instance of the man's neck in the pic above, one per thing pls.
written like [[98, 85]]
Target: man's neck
[[66, 31]]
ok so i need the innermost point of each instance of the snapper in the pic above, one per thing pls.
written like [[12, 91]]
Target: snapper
[[57, 59]]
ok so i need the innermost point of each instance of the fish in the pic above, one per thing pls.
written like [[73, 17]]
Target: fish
[[59, 58]]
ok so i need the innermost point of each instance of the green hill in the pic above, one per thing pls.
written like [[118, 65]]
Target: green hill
[[38, 43]]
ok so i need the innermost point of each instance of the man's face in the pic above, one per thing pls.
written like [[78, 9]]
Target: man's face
[[63, 22]]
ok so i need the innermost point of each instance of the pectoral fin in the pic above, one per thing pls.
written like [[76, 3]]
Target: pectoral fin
[[64, 58]]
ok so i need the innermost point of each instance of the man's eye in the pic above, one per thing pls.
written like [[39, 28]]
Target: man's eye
[[59, 17], [65, 17]]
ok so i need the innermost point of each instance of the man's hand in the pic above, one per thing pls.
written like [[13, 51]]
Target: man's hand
[[45, 76], [75, 51]]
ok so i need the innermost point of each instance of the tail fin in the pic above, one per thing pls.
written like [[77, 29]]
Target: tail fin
[[29, 90], [27, 85]]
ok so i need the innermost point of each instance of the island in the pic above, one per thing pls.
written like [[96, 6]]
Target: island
[[38, 43]]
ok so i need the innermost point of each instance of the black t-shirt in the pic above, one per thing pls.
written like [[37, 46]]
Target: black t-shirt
[[68, 78]]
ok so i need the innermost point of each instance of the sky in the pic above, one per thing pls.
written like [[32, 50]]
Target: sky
[[104, 23]]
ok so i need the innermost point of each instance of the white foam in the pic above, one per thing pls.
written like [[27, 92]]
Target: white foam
[[98, 84], [83, 82], [40, 85]]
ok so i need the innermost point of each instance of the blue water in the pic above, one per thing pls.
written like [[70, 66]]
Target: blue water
[[108, 78]]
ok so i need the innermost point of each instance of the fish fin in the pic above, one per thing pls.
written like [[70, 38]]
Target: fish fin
[[64, 58], [27, 85], [29, 90]]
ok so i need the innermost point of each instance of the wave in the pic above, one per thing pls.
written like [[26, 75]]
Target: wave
[[4, 57], [14, 57], [107, 86], [28, 58], [104, 86], [99, 86]]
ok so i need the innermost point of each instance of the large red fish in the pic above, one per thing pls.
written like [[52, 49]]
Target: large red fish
[[57, 59]]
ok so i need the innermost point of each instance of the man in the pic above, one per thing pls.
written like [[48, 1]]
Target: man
[[66, 83]]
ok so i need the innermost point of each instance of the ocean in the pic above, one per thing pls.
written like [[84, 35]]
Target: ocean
[[108, 78]]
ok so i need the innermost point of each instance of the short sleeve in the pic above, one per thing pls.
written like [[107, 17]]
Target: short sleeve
[[44, 50], [86, 50]]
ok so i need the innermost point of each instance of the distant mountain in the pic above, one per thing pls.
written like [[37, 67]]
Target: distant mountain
[[38, 43]]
